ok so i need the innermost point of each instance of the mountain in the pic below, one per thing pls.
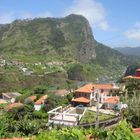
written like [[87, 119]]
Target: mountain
[[70, 37], [55, 52], [129, 51]]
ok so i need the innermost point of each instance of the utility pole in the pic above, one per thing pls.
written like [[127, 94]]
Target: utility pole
[[97, 109]]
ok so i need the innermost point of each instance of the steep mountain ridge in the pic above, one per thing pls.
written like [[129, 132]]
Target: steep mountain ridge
[[70, 36]]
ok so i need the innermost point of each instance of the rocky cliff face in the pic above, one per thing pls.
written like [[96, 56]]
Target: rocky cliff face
[[65, 37]]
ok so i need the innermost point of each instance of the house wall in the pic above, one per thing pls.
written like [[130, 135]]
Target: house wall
[[109, 105], [102, 98], [37, 107], [81, 94], [105, 90], [5, 98], [138, 73]]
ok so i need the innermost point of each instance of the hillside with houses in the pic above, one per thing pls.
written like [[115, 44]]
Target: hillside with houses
[[58, 83], [97, 105]]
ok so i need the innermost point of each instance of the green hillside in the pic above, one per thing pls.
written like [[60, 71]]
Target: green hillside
[[55, 52], [69, 37]]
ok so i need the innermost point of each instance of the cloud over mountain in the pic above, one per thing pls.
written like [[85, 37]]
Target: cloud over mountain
[[134, 33], [94, 11]]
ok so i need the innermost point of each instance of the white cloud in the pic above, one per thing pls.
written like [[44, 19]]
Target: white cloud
[[8, 17], [134, 33], [92, 10]]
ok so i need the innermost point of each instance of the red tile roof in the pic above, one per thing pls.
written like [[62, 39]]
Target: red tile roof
[[11, 95], [90, 87], [135, 77], [131, 77], [7, 96], [128, 77], [137, 131], [103, 86], [60, 92], [40, 101], [138, 69], [14, 105], [2, 101], [112, 100], [81, 100], [32, 98]]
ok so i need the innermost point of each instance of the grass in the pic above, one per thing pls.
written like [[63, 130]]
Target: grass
[[90, 117]]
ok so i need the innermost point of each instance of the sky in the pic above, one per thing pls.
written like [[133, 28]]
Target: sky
[[115, 23]]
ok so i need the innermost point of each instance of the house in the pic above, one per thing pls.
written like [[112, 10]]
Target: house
[[89, 92], [3, 101], [86, 92], [14, 105], [136, 76], [81, 100], [60, 92], [104, 90], [138, 72], [111, 102], [10, 96], [30, 99], [40, 102], [136, 131]]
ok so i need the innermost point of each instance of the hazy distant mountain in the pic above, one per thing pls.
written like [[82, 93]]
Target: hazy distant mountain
[[129, 50]]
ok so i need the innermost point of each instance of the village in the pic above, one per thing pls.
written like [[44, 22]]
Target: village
[[91, 104], [30, 68]]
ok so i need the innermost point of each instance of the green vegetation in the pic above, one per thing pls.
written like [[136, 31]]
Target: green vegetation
[[90, 117], [55, 50], [132, 99], [25, 122], [58, 53], [121, 132]]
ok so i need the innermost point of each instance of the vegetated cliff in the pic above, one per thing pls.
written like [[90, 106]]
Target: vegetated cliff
[[66, 37]]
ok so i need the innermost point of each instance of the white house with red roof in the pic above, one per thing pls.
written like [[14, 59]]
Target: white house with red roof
[[40, 102], [87, 94], [112, 102], [10, 96]]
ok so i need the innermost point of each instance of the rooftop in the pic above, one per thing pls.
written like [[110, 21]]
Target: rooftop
[[2, 101], [41, 100], [11, 94], [131, 77], [138, 69], [112, 100], [60, 92], [81, 100], [14, 105], [32, 98], [88, 88], [137, 131], [103, 86]]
